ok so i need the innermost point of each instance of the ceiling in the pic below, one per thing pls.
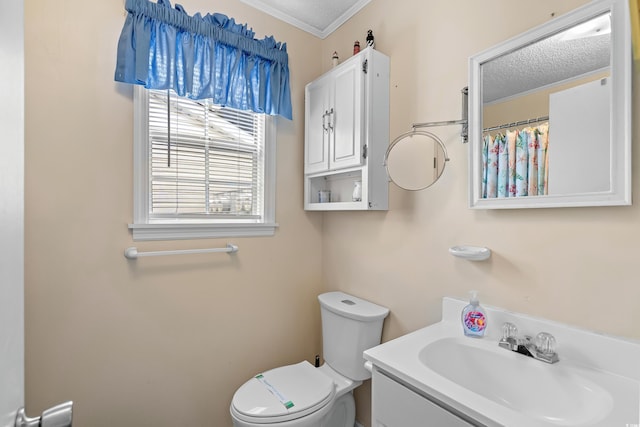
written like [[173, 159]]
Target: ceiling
[[542, 64], [319, 18], [581, 50]]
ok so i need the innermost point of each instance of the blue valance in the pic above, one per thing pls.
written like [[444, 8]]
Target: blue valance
[[200, 57]]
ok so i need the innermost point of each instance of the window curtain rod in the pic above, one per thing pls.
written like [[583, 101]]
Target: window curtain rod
[[516, 124], [210, 56]]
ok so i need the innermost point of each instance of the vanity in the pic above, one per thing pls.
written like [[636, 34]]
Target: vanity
[[437, 376]]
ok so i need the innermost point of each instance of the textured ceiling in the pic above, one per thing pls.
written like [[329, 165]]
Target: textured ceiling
[[319, 18], [574, 52], [549, 61]]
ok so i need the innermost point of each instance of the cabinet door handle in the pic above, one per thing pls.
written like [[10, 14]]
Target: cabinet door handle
[[330, 113], [324, 126]]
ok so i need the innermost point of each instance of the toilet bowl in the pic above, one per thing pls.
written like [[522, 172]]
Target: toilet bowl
[[301, 395]]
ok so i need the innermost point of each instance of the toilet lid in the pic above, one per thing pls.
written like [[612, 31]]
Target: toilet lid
[[284, 393]]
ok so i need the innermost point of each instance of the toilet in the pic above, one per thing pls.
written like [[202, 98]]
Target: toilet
[[301, 395]]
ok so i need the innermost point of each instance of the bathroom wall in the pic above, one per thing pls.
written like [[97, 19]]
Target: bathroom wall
[[162, 341], [577, 266], [166, 341]]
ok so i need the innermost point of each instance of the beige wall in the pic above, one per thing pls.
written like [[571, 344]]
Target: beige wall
[[158, 341], [166, 341], [577, 266]]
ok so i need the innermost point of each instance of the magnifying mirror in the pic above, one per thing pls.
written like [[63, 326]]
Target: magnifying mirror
[[415, 160]]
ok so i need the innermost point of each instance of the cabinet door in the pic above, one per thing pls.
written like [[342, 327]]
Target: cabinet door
[[317, 131], [394, 405], [347, 118]]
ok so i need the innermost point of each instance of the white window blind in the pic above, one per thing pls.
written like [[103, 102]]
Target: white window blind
[[206, 161], [201, 170]]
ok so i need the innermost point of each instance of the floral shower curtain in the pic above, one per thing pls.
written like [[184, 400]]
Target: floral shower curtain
[[516, 163]]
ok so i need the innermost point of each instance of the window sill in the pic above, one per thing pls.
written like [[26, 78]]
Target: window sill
[[165, 231]]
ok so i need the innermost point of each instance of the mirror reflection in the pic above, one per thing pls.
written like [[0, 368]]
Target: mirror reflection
[[550, 114], [554, 90], [415, 160]]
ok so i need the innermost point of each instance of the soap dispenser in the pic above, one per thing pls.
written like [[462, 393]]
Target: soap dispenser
[[474, 318]]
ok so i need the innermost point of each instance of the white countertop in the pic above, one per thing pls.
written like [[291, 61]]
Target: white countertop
[[609, 362]]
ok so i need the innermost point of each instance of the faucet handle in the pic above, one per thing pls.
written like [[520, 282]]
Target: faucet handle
[[509, 339], [545, 343], [509, 330]]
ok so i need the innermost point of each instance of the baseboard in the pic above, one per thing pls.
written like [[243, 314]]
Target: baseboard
[[358, 424]]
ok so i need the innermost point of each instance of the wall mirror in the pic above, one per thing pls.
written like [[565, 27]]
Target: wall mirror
[[550, 114]]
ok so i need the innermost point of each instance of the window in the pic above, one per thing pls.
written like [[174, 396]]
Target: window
[[200, 170]]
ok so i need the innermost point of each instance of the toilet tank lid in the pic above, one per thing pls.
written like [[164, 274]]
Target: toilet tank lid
[[352, 307]]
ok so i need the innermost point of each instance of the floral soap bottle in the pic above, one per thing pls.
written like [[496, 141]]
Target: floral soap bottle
[[474, 318]]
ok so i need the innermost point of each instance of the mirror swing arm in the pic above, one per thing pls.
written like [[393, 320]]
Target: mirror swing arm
[[420, 178], [464, 133]]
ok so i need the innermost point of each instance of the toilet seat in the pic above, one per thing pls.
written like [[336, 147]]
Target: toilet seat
[[264, 400]]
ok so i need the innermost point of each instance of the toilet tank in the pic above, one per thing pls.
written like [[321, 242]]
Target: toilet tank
[[350, 326]]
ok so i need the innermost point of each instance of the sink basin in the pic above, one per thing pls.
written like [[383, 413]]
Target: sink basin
[[596, 383], [558, 394]]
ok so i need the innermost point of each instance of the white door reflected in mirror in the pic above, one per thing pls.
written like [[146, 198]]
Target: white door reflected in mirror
[[579, 117]]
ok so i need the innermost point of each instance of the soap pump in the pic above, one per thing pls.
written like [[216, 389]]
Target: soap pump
[[474, 318]]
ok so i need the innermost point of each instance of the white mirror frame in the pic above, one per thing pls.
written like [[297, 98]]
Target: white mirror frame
[[620, 140]]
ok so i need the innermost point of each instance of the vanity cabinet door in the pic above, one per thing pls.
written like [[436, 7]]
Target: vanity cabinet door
[[394, 405]]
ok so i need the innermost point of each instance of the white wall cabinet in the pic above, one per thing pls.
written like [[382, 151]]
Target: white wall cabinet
[[333, 141], [347, 134], [394, 405]]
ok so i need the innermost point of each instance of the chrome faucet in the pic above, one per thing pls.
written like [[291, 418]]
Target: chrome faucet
[[542, 348]]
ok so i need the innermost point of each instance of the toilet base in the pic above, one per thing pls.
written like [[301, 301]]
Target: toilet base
[[343, 413]]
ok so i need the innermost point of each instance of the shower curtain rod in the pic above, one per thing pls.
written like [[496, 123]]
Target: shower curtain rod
[[523, 122]]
